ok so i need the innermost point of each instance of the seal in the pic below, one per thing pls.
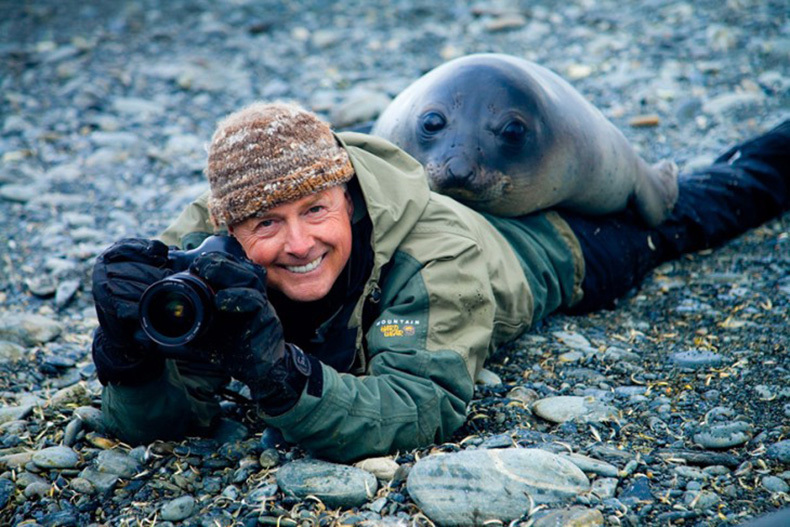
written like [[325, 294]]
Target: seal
[[509, 137]]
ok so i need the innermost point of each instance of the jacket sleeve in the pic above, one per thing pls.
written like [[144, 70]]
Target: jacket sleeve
[[433, 333]]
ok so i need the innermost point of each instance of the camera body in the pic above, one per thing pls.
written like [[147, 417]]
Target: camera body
[[179, 308]]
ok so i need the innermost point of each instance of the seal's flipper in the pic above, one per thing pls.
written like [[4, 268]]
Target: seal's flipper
[[655, 195]]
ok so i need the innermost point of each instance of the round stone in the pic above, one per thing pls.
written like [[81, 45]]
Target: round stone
[[775, 484], [56, 457], [724, 435], [118, 463], [566, 408], [335, 485], [383, 468], [178, 509], [780, 451]]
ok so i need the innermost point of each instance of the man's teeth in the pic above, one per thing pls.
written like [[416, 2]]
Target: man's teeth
[[305, 268]]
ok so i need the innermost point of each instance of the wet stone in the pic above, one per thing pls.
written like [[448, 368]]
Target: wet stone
[[775, 484], [573, 517], [702, 500], [10, 351], [566, 407], [473, 486], [699, 458], [269, 458], [383, 468], [115, 462], [637, 492], [56, 457], [696, 359], [498, 441], [605, 488], [28, 329], [178, 509], [91, 417], [6, 491], [780, 451], [81, 485], [336, 485], [724, 435], [65, 292], [102, 481], [588, 464]]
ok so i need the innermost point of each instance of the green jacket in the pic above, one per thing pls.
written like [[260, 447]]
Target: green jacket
[[455, 290]]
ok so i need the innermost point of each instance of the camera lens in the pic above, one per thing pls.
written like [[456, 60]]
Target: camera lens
[[175, 310]]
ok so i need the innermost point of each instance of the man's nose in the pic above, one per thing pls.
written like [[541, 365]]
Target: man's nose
[[300, 241]]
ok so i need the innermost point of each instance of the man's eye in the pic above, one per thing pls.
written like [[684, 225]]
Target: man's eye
[[316, 209]]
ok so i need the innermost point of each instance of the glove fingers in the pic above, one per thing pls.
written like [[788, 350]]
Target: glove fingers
[[240, 300], [223, 271], [152, 252]]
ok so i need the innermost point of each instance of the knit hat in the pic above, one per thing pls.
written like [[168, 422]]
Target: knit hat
[[268, 154]]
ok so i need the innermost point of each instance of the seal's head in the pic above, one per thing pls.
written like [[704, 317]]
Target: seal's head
[[478, 126]]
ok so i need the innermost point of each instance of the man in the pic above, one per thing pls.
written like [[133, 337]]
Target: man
[[380, 300]]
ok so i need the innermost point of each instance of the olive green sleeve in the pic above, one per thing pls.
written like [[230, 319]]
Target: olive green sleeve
[[191, 226], [181, 401]]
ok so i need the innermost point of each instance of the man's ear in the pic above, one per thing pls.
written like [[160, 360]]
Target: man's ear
[[349, 203]]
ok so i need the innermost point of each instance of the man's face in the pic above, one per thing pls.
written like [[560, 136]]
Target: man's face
[[304, 245]]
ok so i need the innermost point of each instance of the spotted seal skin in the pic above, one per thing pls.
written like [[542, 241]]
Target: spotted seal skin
[[509, 137]]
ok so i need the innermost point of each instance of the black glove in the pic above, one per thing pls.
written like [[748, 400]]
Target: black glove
[[246, 337], [121, 351]]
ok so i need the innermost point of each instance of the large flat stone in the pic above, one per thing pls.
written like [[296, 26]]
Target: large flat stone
[[474, 486], [335, 485]]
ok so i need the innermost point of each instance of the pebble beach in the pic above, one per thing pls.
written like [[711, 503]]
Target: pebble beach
[[671, 408]]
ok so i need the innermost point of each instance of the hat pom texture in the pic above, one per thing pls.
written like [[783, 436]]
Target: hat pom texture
[[268, 154]]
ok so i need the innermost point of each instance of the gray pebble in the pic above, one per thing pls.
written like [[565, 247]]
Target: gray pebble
[[580, 516], [28, 329], [37, 489], [81, 485], [775, 484], [588, 464], [70, 433], [696, 359], [336, 485], [91, 418], [178, 509], [724, 435], [65, 292], [780, 451], [118, 463], [102, 481], [10, 351], [605, 488], [567, 407], [6, 492], [701, 500], [56, 457]]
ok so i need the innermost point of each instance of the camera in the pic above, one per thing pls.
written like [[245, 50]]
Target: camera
[[179, 308]]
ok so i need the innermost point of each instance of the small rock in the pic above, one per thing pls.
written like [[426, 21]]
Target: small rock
[[19, 193], [523, 394], [269, 458], [637, 492], [92, 418], [588, 464], [733, 103], [775, 484], [10, 351], [696, 359], [780, 451], [28, 329], [118, 463], [336, 485], [65, 292], [488, 378], [505, 22], [43, 286], [605, 488], [360, 106], [56, 457], [701, 500], [37, 489], [473, 486], [700, 458], [178, 509], [102, 481], [70, 433], [383, 468], [15, 461], [573, 340], [81, 485], [7, 488], [573, 517], [724, 435], [566, 407]]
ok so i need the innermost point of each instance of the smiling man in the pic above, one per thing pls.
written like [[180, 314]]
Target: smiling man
[[369, 304]]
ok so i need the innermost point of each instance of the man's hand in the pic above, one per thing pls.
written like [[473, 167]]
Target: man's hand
[[121, 274], [246, 337]]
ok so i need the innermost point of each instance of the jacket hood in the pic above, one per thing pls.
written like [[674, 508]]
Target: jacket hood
[[394, 186]]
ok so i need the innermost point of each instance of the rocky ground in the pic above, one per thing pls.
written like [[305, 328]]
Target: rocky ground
[[675, 405]]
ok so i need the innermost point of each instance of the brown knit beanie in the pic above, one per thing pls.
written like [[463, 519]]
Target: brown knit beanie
[[268, 154]]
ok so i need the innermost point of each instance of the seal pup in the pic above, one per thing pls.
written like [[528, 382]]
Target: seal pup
[[509, 137]]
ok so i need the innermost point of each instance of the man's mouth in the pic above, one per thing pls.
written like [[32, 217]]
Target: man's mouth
[[301, 269]]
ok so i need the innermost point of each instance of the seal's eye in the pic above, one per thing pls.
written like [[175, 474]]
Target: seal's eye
[[514, 132], [432, 122]]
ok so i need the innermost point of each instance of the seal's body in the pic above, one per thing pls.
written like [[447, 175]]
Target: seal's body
[[509, 137]]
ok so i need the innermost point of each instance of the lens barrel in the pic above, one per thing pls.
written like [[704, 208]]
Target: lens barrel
[[175, 310]]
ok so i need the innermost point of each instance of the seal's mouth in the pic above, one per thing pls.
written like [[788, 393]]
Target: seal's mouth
[[479, 186]]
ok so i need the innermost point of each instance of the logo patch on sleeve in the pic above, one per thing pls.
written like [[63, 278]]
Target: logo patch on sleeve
[[397, 327]]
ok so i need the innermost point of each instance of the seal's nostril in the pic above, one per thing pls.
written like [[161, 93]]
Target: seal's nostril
[[460, 171]]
